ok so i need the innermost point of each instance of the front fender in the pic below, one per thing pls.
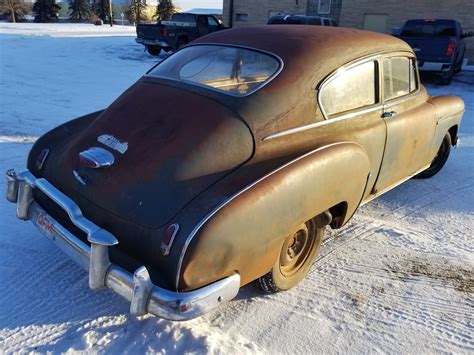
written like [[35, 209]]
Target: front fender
[[245, 233]]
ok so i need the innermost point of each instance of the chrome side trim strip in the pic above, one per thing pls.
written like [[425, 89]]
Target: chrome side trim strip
[[225, 202], [321, 123], [379, 193]]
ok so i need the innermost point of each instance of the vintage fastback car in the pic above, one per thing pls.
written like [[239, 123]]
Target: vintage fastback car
[[226, 162]]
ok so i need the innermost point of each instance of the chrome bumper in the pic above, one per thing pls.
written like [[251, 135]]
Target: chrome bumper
[[434, 66], [151, 42], [138, 288]]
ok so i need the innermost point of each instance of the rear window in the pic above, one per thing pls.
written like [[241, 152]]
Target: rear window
[[183, 18], [429, 28], [233, 70]]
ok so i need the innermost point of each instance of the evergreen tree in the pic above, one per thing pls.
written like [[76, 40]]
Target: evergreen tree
[[79, 10], [164, 10], [137, 11], [101, 9], [46, 10], [13, 10]]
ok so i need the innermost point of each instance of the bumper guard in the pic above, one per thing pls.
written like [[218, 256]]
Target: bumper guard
[[144, 296]]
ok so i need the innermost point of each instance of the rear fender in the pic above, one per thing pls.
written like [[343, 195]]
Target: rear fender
[[245, 233], [449, 112]]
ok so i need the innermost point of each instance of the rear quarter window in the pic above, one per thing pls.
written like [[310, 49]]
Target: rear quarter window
[[352, 89]]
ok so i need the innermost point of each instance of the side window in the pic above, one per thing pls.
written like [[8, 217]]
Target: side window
[[399, 77], [212, 21], [352, 89]]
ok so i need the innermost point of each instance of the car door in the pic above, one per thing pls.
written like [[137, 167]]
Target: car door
[[410, 121], [202, 25]]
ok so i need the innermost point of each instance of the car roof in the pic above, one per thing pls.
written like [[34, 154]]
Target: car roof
[[310, 54], [296, 44]]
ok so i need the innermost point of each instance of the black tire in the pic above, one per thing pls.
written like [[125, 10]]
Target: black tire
[[458, 66], [296, 256], [154, 50], [439, 160], [448, 77]]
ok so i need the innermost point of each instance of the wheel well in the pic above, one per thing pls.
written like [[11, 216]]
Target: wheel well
[[453, 132], [338, 213]]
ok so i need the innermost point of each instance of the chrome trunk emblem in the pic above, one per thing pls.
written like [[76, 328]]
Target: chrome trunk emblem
[[96, 157], [112, 142]]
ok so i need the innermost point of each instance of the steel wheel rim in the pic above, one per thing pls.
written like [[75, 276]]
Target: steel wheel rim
[[296, 250]]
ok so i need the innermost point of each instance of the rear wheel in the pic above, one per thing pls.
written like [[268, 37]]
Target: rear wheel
[[439, 160], [296, 256], [458, 66], [448, 77], [154, 50]]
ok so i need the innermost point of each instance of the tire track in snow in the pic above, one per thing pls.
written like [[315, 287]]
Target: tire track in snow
[[366, 226]]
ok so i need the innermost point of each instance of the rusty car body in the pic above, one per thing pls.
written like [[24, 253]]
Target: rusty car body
[[203, 177]]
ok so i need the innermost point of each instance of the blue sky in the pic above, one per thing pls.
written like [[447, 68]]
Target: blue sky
[[190, 4]]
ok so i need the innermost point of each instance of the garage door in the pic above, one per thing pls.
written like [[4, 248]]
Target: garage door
[[375, 22]]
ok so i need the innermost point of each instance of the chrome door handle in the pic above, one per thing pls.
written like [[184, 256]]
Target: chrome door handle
[[389, 114]]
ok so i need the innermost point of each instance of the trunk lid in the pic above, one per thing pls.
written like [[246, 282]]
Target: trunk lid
[[168, 146]]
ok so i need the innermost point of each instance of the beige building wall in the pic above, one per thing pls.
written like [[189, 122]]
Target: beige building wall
[[257, 12], [396, 12]]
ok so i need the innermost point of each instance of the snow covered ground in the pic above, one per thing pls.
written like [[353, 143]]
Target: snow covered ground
[[399, 278], [66, 30]]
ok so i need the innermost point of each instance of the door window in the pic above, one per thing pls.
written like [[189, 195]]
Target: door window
[[399, 77], [212, 21], [352, 89]]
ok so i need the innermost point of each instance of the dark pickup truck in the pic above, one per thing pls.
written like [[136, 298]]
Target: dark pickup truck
[[438, 44], [173, 34]]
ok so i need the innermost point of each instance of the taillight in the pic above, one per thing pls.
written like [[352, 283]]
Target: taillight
[[41, 158], [451, 49], [86, 162], [168, 239], [165, 32]]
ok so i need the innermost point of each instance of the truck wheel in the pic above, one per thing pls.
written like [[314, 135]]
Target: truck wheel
[[154, 50], [448, 77], [439, 160], [458, 66], [297, 254]]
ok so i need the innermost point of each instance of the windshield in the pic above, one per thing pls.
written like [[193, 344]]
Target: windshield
[[429, 28], [234, 70]]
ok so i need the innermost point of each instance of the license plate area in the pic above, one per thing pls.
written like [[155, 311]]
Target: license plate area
[[45, 224]]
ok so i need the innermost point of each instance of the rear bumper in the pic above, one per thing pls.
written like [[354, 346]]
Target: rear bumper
[[144, 296], [434, 66], [151, 42]]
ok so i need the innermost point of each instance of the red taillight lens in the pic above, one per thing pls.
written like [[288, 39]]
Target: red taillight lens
[[451, 49], [86, 162], [165, 32], [41, 158], [168, 238]]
